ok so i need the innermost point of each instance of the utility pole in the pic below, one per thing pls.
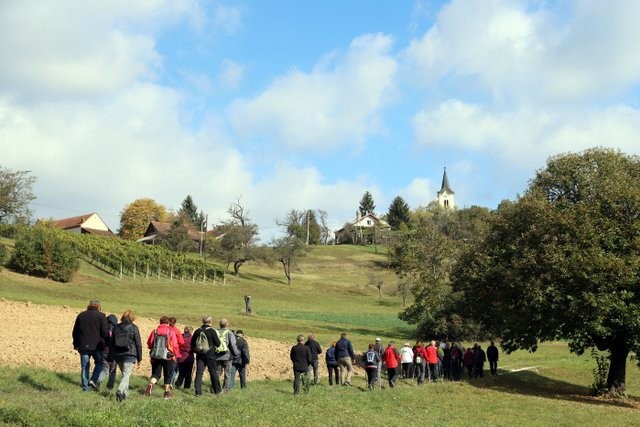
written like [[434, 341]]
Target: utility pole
[[203, 229], [307, 227]]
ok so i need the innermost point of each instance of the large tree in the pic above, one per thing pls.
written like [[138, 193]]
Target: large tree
[[15, 195], [286, 251], [188, 210], [561, 262], [135, 217], [303, 225], [366, 204], [399, 213]]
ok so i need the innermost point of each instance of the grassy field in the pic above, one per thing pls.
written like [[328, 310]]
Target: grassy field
[[329, 294]]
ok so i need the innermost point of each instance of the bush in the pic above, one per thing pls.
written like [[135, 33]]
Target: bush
[[43, 251], [10, 231], [3, 255]]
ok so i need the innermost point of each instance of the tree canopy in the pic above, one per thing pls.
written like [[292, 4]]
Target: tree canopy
[[561, 262], [399, 213], [135, 217], [15, 195], [367, 204]]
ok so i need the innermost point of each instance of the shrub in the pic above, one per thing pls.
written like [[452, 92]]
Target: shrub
[[3, 255], [10, 231], [43, 251]]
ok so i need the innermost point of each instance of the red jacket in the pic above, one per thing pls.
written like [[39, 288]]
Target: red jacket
[[164, 329], [391, 358], [420, 351], [432, 354]]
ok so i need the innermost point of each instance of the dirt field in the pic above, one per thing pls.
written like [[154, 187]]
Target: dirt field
[[40, 336]]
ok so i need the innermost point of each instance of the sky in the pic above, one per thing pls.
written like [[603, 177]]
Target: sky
[[292, 104]]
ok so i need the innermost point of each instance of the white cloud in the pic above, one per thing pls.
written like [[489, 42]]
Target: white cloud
[[228, 18], [339, 102], [231, 74]]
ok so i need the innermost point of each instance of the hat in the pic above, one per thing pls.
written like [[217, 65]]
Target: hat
[[377, 339], [407, 344]]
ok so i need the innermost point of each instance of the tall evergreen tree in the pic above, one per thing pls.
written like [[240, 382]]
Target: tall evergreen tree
[[366, 204], [399, 213], [189, 210]]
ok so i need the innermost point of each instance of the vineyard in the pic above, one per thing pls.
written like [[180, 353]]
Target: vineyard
[[127, 258]]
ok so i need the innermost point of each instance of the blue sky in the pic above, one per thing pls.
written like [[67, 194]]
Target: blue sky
[[306, 105]]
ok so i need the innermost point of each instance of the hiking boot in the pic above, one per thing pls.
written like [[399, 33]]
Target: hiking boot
[[120, 396], [94, 385], [167, 395], [148, 390]]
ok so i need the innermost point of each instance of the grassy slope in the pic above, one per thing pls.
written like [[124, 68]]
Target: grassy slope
[[328, 295]]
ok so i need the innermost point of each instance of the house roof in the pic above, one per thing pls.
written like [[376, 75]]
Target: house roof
[[95, 232], [445, 184], [73, 222]]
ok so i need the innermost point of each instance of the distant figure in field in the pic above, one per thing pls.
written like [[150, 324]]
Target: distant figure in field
[[185, 364], [406, 353], [240, 361], [480, 357], [224, 359], [162, 365], [420, 360], [432, 360], [176, 330], [90, 332], [125, 349], [332, 364], [301, 358], [206, 359], [315, 349], [346, 357], [391, 358], [370, 360], [492, 356], [469, 360]]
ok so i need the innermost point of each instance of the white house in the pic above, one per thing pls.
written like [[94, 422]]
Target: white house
[[84, 224]]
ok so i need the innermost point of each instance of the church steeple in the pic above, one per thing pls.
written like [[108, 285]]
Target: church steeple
[[445, 195]]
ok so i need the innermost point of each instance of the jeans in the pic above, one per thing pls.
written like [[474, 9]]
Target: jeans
[[296, 381], [333, 371], [391, 374], [85, 366], [420, 372], [126, 368], [493, 365], [210, 364], [224, 367], [433, 372], [110, 369], [372, 377], [240, 369], [314, 367]]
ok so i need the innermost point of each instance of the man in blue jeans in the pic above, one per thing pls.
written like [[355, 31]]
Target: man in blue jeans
[[240, 361], [90, 332]]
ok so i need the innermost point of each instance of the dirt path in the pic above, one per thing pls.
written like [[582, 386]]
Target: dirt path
[[40, 336]]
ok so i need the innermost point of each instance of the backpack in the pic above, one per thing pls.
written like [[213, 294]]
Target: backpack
[[371, 357], [121, 337], [202, 342], [160, 347], [223, 347]]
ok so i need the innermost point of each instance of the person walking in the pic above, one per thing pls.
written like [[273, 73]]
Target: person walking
[[109, 367], [90, 332], [479, 357], [125, 350], [406, 353], [391, 358], [379, 348], [240, 361], [224, 359], [206, 355], [492, 356], [332, 364], [469, 361], [178, 333], [316, 350], [163, 344], [346, 357], [432, 360], [420, 362], [370, 360], [185, 364], [301, 358]]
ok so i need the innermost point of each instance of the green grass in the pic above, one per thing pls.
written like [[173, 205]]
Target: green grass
[[329, 294]]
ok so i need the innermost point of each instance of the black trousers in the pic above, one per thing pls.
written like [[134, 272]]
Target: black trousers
[[210, 364]]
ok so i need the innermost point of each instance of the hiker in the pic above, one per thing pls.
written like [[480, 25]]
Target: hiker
[[109, 366], [492, 356], [346, 357], [469, 361], [332, 364], [432, 361], [379, 348], [446, 362], [420, 362], [176, 330], [370, 360], [185, 364], [479, 359], [163, 344], [240, 361], [315, 348], [456, 362], [406, 353], [206, 355], [225, 353], [301, 357], [90, 331], [391, 358], [125, 350]]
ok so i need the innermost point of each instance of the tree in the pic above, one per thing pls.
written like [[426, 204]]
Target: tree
[[304, 226], [15, 195], [287, 250], [180, 237], [366, 204], [135, 217], [399, 212], [561, 262], [189, 210]]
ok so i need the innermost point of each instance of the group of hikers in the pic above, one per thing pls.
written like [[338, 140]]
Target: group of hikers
[[433, 362], [117, 344], [114, 344]]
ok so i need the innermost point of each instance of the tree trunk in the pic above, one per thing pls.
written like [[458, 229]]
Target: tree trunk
[[236, 268], [617, 371]]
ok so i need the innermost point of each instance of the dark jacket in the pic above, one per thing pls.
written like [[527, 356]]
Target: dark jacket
[[374, 355], [344, 349], [242, 358], [492, 352], [90, 330], [133, 350], [212, 337], [315, 349], [330, 357], [301, 357]]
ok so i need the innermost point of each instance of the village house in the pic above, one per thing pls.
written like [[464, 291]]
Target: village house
[[85, 224]]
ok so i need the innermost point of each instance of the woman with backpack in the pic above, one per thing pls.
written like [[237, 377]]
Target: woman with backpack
[[371, 359], [163, 344], [125, 349]]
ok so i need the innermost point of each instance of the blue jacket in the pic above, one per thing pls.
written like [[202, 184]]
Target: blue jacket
[[344, 349]]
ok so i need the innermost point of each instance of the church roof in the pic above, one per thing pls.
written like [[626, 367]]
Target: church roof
[[445, 184]]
